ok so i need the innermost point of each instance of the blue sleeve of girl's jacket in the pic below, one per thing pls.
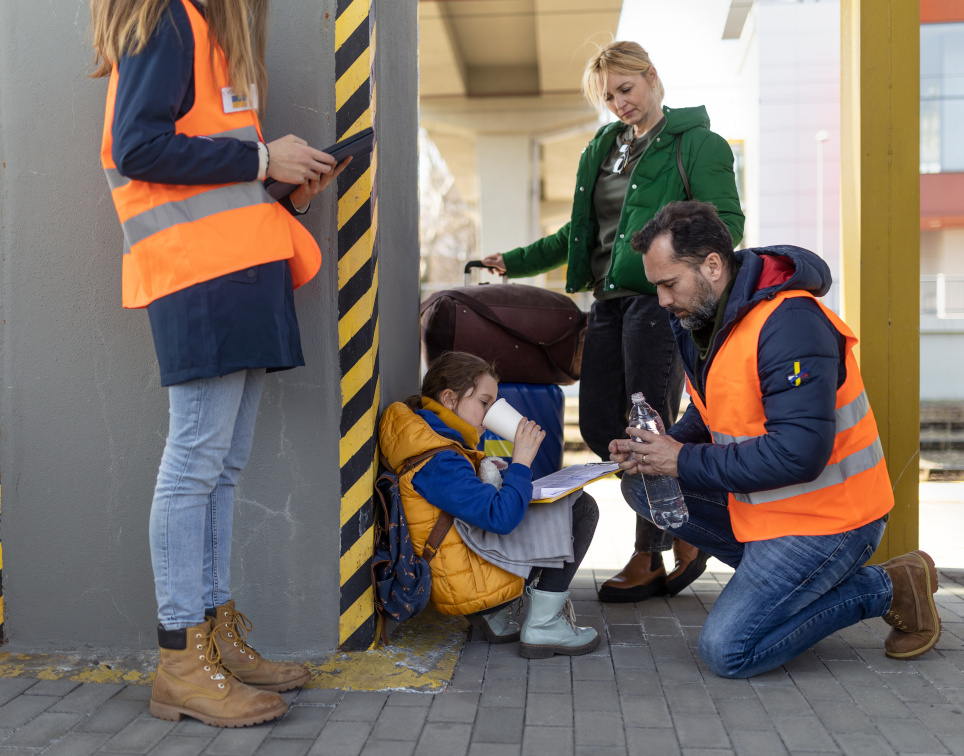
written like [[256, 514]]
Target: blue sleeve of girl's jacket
[[154, 89], [448, 481], [800, 420]]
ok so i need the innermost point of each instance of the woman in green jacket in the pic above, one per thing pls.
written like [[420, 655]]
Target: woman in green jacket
[[651, 156]]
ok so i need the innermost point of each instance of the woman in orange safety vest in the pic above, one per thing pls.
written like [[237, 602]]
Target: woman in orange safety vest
[[214, 259]]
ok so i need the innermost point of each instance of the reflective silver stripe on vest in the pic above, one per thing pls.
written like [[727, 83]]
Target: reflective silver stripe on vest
[[115, 180], [211, 202], [851, 414], [248, 134], [722, 438], [846, 418], [832, 475]]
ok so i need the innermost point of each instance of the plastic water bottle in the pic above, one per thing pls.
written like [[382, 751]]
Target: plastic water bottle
[[665, 500]]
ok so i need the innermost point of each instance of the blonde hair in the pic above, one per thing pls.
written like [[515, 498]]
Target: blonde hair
[[626, 58], [238, 27]]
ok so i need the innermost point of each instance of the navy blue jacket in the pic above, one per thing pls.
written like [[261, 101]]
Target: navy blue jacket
[[448, 481], [800, 420], [154, 89], [242, 320]]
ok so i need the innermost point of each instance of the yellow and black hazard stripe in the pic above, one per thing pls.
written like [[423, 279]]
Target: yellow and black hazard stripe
[[357, 320]]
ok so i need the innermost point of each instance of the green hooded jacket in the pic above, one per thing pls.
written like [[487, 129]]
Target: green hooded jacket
[[655, 182]]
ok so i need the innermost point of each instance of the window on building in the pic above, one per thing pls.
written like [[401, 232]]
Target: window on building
[[941, 98]]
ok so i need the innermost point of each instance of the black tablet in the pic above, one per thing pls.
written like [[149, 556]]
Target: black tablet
[[357, 144]]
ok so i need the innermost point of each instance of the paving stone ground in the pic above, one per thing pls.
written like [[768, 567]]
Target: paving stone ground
[[644, 691]]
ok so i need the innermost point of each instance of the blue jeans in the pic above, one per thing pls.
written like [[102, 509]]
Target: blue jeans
[[787, 593], [629, 347], [208, 444]]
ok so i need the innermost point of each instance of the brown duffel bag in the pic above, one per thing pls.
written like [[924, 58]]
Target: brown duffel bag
[[531, 335]]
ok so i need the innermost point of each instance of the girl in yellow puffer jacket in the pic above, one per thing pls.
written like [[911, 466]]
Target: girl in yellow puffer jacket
[[457, 391]]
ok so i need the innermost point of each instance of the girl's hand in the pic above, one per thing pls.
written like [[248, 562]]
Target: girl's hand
[[495, 264], [528, 439], [293, 161], [305, 193]]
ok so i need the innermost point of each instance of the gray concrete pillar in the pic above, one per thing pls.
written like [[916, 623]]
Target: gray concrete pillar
[[82, 416], [505, 191]]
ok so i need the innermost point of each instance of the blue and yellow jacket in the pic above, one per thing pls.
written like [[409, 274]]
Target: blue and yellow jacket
[[462, 582], [779, 418]]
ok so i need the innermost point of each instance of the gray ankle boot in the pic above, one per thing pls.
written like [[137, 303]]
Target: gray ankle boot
[[498, 626], [550, 627]]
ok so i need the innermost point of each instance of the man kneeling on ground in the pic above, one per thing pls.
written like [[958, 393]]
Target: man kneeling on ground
[[778, 455]]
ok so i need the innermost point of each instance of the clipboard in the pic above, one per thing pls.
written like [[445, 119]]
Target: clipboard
[[563, 482], [357, 144]]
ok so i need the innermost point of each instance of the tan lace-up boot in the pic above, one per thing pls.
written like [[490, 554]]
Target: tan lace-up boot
[[913, 613], [230, 630], [191, 682]]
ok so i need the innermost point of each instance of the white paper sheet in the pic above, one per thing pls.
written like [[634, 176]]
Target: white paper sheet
[[557, 484]]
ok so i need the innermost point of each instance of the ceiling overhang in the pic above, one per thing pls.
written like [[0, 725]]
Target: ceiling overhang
[[509, 48]]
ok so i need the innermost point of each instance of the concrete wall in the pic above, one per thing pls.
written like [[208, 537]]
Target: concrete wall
[[82, 417], [941, 358], [942, 251], [398, 201], [799, 95]]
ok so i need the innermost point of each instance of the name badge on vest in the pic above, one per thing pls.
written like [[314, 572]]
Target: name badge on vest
[[238, 103]]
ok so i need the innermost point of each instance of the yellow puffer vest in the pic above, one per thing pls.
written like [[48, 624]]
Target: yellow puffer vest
[[462, 582]]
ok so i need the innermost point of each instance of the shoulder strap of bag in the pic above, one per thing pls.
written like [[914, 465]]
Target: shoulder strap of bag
[[682, 171], [444, 523], [442, 526]]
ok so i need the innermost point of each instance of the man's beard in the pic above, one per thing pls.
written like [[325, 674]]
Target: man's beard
[[705, 311]]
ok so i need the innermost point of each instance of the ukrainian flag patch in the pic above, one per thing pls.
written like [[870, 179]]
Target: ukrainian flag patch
[[799, 376]]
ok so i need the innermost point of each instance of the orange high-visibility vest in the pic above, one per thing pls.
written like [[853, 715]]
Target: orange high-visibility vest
[[853, 489], [178, 235]]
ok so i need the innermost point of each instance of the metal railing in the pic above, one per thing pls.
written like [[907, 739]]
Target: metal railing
[[942, 296]]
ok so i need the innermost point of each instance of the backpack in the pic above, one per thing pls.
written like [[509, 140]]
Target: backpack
[[401, 580]]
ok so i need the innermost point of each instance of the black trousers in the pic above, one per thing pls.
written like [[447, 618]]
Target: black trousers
[[629, 347], [585, 516]]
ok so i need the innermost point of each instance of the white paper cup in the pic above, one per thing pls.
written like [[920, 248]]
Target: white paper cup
[[502, 419]]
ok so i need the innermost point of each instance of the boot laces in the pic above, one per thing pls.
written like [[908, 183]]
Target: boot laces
[[211, 655], [894, 620], [236, 627], [569, 613], [515, 608]]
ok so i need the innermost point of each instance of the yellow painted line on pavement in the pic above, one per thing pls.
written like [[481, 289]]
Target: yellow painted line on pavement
[[421, 655]]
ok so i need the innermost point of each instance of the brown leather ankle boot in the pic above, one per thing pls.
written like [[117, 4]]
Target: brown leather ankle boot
[[913, 613], [642, 577], [230, 630], [191, 682], [690, 564]]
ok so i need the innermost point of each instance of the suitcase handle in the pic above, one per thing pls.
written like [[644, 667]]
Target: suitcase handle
[[479, 264]]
